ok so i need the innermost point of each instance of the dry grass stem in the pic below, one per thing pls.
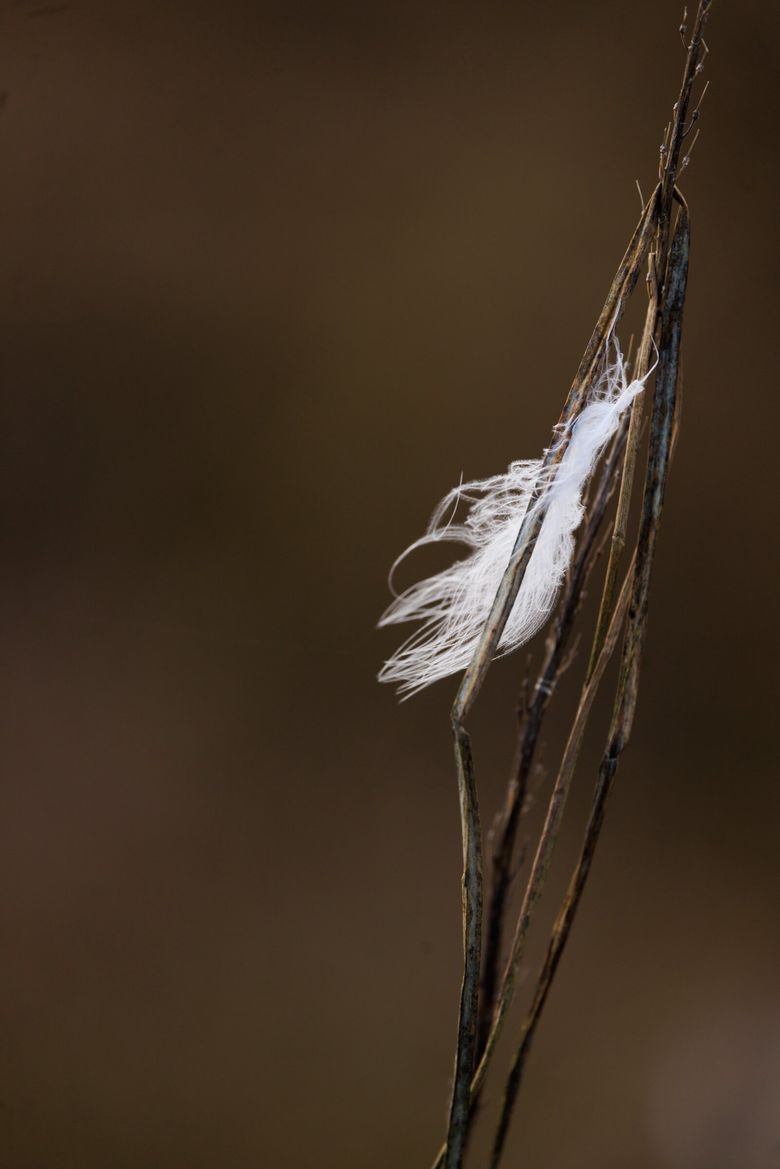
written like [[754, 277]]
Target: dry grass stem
[[664, 424], [479, 1026], [473, 678]]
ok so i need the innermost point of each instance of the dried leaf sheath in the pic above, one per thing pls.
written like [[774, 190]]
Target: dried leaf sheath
[[454, 605]]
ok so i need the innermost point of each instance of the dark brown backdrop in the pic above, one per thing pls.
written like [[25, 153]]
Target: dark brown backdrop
[[272, 277]]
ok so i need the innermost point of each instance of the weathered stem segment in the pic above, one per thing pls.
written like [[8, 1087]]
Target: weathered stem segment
[[549, 837], [670, 165], [541, 862], [460, 1103], [472, 948], [661, 435], [653, 225], [553, 665], [620, 527], [622, 287]]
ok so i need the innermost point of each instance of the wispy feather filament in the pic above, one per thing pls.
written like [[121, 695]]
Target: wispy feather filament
[[453, 605]]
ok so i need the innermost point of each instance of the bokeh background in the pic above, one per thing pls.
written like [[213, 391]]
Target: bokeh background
[[273, 276]]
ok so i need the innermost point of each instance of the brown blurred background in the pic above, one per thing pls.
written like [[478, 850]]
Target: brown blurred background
[[272, 277]]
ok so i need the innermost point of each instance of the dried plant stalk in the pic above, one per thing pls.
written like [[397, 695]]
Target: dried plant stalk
[[554, 663], [664, 318], [619, 528], [473, 678], [480, 1025], [664, 417]]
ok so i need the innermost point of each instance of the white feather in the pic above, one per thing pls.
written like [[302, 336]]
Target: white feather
[[454, 604]]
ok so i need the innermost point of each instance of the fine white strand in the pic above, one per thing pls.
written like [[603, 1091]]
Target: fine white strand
[[453, 605]]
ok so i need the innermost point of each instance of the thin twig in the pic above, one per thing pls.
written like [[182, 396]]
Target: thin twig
[[460, 1103], [663, 426], [654, 223], [548, 838], [457, 1130], [670, 155], [553, 665], [668, 305], [543, 854], [618, 541]]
